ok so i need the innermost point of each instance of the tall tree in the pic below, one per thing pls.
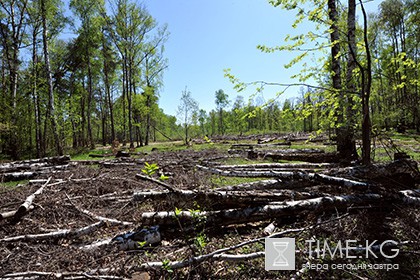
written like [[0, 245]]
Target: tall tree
[[221, 102], [88, 12], [12, 33], [51, 103], [186, 109]]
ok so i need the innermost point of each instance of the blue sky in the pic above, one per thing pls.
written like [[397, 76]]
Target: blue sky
[[209, 36]]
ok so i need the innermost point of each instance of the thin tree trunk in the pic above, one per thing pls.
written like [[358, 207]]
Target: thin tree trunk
[[59, 149], [366, 124], [38, 135]]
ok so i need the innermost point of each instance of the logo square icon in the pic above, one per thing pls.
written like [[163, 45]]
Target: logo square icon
[[280, 254]]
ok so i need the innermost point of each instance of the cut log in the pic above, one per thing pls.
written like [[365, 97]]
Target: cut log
[[314, 157], [222, 199], [257, 185], [278, 166], [17, 176], [253, 214], [287, 176], [11, 214]]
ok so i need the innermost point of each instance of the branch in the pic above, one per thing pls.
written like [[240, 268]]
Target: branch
[[56, 234], [160, 183], [24, 208]]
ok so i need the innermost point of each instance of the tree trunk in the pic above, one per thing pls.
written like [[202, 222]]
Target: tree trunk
[[59, 149], [345, 142], [366, 124]]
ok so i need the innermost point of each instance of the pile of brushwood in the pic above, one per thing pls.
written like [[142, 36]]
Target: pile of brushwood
[[171, 215]]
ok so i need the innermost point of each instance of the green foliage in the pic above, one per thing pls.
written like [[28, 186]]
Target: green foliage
[[150, 169], [166, 265]]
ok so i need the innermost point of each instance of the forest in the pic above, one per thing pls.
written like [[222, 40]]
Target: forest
[[98, 182], [60, 95]]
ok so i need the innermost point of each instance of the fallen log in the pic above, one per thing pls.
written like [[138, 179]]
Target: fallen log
[[277, 165], [11, 214], [24, 207], [401, 174], [287, 175], [17, 176], [222, 199], [314, 157], [253, 214], [257, 185]]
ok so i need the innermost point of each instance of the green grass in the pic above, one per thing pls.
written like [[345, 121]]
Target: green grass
[[13, 184]]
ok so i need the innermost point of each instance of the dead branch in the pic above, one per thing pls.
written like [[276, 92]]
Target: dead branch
[[65, 233], [57, 275], [160, 183], [100, 218], [253, 214]]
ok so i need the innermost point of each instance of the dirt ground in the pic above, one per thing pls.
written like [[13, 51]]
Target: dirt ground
[[106, 190]]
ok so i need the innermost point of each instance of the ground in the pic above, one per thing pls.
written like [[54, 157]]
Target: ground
[[80, 195]]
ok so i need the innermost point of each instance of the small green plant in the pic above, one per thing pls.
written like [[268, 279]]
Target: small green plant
[[208, 140], [177, 212], [141, 244], [200, 241], [163, 177], [166, 265], [150, 169]]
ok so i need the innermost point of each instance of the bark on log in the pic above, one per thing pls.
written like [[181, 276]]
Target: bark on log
[[258, 166], [17, 176], [257, 185], [403, 173], [314, 157], [287, 176], [11, 214], [222, 199], [253, 214]]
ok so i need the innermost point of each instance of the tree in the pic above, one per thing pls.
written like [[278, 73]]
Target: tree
[[88, 12], [12, 31], [51, 103], [221, 102], [186, 109]]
